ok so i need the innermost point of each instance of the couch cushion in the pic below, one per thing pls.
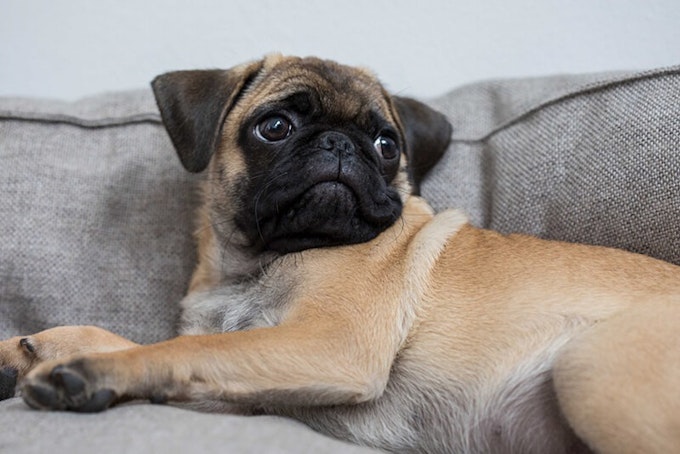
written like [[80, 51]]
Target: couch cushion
[[143, 429], [96, 217]]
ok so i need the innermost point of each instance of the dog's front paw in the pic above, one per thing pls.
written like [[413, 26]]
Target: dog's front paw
[[66, 387]]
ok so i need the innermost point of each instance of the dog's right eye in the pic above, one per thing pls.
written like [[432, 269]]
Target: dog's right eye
[[274, 129]]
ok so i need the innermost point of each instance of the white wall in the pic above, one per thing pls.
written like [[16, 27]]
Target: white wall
[[70, 48]]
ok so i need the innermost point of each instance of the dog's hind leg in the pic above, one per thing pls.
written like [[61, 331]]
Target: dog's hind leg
[[20, 354], [619, 383]]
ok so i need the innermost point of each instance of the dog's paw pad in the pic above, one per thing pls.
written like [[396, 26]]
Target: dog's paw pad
[[71, 384], [65, 389], [100, 400], [8, 382], [41, 397]]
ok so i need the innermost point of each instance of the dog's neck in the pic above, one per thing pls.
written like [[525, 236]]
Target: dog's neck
[[223, 261], [227, 262]]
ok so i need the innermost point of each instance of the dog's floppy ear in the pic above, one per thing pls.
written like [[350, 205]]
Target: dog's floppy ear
[[193, 106], [428, 134]]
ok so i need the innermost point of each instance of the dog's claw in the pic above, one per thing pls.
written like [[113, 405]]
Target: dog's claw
[[27, 345], [66, 389], [8, 382], [158, 399]]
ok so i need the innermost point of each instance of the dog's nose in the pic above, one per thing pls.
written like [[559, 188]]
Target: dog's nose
[[337, 141]]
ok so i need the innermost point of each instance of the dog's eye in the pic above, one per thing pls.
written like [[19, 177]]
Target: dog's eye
[[274, 129], [387, 147]]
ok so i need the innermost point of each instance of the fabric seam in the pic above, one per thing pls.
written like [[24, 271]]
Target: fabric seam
[[82, 122], [582, 91]]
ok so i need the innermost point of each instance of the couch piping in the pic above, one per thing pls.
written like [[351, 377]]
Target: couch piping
[[82, 122], [585, 90]]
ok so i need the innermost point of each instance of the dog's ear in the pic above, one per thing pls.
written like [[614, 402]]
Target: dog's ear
[[193, 106], [428, 134]]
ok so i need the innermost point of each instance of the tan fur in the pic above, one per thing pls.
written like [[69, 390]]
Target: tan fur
[[24, 352], [625, 368], [434, 337]]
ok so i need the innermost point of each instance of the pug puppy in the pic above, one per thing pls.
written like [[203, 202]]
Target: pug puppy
[[328, 291]]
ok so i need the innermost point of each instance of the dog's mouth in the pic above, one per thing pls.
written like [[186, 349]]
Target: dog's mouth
[[337, 197], [328, 213]]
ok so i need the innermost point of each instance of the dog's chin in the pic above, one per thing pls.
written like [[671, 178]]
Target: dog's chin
[[329, 214]]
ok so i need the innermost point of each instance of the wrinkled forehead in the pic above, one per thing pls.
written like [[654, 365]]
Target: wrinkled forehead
[[338, 90]]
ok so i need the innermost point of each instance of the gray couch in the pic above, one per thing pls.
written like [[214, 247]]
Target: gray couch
[[95, 223]]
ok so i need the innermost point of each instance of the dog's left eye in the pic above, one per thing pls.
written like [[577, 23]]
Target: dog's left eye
[[274, 129], [387, 147]]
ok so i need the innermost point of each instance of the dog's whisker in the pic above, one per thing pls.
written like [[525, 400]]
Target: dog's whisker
[[258, 198]]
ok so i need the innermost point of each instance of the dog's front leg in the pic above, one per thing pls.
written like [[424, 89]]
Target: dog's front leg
[[293, 364]]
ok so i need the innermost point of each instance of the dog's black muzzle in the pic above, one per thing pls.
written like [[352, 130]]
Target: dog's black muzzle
[[332, 193]]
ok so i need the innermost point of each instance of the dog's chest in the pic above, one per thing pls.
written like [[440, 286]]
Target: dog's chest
[[237, 306]]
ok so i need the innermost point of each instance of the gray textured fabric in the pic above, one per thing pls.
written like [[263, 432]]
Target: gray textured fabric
[[95, 221], [150, 429], [590, 159], [96, 217]]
